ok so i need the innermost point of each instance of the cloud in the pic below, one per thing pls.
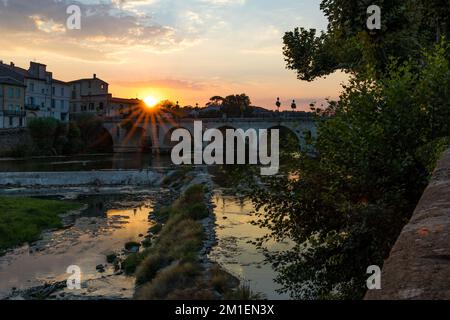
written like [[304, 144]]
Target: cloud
[[165, 83], [105, 28]]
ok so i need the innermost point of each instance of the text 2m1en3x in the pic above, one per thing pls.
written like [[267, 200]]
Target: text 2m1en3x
[[230, 310], [246, 310]]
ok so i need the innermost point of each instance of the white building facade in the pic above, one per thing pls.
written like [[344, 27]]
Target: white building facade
[[45, 97]]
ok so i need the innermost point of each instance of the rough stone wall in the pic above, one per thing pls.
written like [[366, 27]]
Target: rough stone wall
[[418, 267], [12, 138], [80, 178]]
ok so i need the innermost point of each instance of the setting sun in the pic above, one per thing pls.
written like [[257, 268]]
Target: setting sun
[[150, 101]]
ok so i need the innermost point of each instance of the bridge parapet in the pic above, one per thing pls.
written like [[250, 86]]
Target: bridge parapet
[[157, 132]]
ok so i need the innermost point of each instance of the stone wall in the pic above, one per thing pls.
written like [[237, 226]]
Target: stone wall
[[80, 178], [12, 138], [419, 264]]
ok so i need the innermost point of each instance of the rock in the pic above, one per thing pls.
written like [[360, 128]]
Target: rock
[[100, 268]]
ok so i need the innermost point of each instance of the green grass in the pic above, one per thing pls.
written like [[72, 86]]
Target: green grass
[[169, 268], [22, 220]]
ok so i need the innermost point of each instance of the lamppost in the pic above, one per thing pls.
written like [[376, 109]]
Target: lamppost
[[177, 107], [293, 105], [278, 104]]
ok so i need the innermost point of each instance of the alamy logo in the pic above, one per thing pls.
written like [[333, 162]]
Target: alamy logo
[[231, 149], [374, 281], [374, 20], [74, 20], [74, 281]]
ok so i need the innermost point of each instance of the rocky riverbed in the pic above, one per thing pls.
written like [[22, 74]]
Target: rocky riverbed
[[102, 228]]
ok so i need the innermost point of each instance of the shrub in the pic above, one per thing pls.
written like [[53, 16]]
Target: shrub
[[243, 292], [147, 243], [198, 211], [222, 281], [177, 276], [156, 228], [164, 213], [150, 266], [129, 265]]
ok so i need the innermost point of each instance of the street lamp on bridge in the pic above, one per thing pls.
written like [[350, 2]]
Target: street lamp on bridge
[[293, 105], [278, 104]]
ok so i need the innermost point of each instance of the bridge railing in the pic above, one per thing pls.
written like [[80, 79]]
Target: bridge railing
[[264, 118]]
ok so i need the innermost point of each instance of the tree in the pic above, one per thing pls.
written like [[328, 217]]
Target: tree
[[408, 26], [352, 199], [43, 132], [237, 105], [215, 101]]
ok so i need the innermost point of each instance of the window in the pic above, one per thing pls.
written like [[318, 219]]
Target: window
[[101, 105], [20, 122], [89, 85], [31, 86], [31, 100], [53, 90], [18, 93], [11, 93], [53, 103], [62, 91], [91, 106], [10, 121]]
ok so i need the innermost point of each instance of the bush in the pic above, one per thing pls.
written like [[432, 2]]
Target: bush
[[177, 276], [222, 281], [131, 262], [43, 132], [156, 229], [198, 211], [150, 266], [243, 292]]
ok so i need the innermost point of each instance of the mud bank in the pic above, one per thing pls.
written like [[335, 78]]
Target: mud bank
[[80, 178]]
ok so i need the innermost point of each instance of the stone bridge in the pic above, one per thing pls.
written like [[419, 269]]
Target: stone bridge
[[156, 136]]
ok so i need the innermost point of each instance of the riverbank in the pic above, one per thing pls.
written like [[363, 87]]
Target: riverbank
[[171, 227], [23, 220], [109, 222]]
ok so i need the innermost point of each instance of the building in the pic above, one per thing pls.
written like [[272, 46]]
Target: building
[[12, 103], [89, 96], [44, 95]]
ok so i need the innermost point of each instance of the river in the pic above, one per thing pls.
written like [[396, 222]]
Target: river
[[115, 218]]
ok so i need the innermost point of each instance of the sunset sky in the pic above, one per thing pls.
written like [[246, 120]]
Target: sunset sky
[[186, 50]]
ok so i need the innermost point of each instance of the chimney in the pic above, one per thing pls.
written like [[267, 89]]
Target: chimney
[[95, 76], [12, 64]]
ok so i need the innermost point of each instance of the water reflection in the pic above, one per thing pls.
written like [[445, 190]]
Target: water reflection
[[118, 161], [235, 253], [101, 230]]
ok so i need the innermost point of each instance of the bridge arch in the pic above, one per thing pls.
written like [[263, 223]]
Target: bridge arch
[[132, 139], [289, 137], [103, 142]]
